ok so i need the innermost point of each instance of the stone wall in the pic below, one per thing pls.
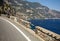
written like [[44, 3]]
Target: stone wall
[[47, 32]]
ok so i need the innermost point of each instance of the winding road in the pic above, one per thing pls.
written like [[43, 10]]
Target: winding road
[[10, 31]]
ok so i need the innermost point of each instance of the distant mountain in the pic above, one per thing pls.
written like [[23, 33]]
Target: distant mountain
[[33, 10]]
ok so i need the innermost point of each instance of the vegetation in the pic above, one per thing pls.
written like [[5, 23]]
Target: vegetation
[[5, 8]]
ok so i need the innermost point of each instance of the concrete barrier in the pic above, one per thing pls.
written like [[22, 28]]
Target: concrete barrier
[[48, 32], [13, 18], [24, 22]]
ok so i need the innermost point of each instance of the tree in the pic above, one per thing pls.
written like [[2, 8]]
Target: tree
[[5, 8]]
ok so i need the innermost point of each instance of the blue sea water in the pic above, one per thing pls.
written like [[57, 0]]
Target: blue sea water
[[50, 24]]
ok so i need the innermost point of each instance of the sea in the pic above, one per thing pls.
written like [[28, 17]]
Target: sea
[[50, 24]]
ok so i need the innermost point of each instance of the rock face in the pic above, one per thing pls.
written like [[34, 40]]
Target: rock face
[[33, 10]]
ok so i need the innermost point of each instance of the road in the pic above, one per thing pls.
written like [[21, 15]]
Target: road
[[10, 31]]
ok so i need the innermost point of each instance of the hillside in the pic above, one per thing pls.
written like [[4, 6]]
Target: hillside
[[33, 10]]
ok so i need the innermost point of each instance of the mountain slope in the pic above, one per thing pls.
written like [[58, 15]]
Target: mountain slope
[[33, 10]]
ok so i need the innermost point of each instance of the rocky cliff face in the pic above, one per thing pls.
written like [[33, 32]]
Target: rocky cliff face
[[33, 10]]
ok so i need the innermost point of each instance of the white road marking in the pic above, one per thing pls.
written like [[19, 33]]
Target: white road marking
[[17, 29]]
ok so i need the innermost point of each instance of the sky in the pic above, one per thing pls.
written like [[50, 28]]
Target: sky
[[52, 4]]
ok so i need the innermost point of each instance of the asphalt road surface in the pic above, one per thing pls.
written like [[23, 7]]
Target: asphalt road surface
[[10, 31]]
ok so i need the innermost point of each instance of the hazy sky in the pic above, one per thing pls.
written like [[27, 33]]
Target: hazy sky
[[52, 4]]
